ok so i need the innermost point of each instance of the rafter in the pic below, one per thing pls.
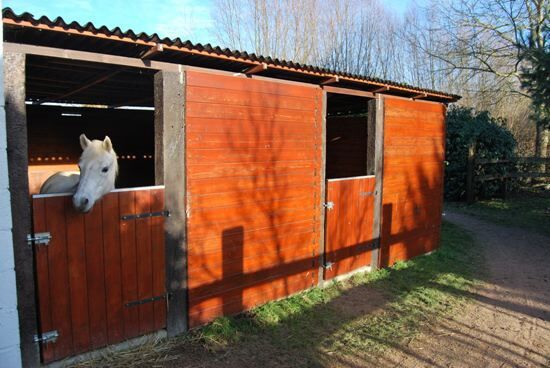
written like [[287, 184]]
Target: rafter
[[255, 69], [419, 96], [330, 80], [89, 83], [156, 49], [381, 89]]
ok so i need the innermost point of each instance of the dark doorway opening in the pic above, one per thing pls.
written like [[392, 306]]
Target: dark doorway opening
[[346, 136], [66, 98]]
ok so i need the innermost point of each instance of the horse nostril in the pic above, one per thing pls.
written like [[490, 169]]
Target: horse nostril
[[84, 201]]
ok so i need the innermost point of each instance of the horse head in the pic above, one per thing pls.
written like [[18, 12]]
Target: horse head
[[98, 170]]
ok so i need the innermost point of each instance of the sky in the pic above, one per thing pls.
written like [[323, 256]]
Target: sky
[[187, 19]]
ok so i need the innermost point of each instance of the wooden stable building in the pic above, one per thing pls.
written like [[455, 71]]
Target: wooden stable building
[[243, 179]]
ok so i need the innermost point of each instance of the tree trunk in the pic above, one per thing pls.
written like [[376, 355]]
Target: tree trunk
[[542, 143]]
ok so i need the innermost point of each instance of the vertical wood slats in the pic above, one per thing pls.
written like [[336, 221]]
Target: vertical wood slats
[[412, 196], [251, 143], [349, 225], [94, 265]]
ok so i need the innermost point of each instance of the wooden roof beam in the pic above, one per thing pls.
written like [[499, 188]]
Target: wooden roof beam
[[419, 96], [154, 50], [84, 86], [255, 69], [330, 80], [348, 91], [135, 102], [381, 89]]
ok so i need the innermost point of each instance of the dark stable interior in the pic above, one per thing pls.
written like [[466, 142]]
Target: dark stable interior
[[97, 92], [346, 136]]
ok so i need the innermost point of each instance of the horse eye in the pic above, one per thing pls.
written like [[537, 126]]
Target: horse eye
[[105, 169]]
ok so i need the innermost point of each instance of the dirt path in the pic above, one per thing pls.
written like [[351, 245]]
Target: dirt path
[[508, 324]]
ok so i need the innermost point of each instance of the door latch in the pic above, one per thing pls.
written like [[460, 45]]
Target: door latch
[[39, 238], [46, 337]]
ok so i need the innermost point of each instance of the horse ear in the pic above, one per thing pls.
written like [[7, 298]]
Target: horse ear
[[107, 144], [84, 141]]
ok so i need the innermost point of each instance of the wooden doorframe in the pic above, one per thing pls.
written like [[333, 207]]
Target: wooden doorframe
[[171, 78], [17, 149], [376, 143], [170, 170], [322, 190], [375, 163]]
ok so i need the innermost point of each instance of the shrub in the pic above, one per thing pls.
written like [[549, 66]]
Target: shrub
[[493, 141]]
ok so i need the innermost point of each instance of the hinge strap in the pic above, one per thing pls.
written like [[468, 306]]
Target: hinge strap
[[145, 215], [143, 301]]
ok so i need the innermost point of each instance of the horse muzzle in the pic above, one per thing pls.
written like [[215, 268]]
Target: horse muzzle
[[82, 203]]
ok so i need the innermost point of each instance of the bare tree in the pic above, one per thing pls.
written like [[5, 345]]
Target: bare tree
[[483, 43], [269, 28], [473, 48]]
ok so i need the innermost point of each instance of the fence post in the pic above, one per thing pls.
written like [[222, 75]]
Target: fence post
[[470, 194], [505, 188]]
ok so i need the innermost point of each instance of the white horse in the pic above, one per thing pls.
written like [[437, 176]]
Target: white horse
[[98, 170]]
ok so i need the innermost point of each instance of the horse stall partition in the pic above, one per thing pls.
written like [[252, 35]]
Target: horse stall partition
[[101, 276], [412, 194], [253, 191], [349, 225]]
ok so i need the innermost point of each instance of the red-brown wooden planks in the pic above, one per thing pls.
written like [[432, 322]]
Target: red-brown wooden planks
[[94, 265], [237, 98], [349, 224], [78, 283], [158, 261], [223, 83], [413, 178], [129, 263], [59, 280], [96, 276], [43, 279], [113, 272], [252, 191], [144, 262]]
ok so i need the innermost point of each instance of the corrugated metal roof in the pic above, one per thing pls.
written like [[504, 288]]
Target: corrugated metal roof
[[197, 54]]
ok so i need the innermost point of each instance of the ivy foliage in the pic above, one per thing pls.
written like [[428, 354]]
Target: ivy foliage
[[492, 140]]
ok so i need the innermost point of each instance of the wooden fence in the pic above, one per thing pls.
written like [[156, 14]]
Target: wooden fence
[[516, 168]]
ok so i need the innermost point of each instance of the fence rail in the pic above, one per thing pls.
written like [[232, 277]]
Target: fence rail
[[516, 160], [473, 162]]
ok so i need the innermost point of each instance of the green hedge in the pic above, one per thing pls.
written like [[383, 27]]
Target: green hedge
[[493, 141]]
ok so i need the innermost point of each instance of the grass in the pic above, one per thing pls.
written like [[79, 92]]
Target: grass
[[346, 320], [413, 293], [526, 210]]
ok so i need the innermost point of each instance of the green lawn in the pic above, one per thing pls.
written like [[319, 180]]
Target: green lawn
[[350, 320], [525, 210]]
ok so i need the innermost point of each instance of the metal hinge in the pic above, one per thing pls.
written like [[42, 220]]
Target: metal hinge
[[328, 205], [46, 337], [145, 215], [328, 265], [147, 300], [39, 238]]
